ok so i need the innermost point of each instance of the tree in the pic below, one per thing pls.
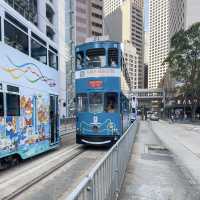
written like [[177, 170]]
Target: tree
[[184, 63]]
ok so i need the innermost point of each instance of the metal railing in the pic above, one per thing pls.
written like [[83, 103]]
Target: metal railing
[[105, 180]]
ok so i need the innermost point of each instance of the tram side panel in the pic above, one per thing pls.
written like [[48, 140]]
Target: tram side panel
[[28, 118]]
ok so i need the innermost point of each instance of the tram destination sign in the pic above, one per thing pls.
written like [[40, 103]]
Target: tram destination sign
[[103, 72]]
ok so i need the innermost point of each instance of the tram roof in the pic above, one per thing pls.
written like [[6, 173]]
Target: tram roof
[[94, 43]]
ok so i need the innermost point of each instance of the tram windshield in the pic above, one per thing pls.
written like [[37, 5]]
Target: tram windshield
[[112, 57], [96, 103], [96, 58], [110, 101], [82, 103]]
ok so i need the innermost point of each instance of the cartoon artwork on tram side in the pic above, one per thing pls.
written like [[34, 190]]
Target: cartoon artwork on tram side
[[107, 127], [23, 133]]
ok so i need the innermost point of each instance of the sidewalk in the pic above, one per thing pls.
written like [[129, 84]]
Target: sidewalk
[[152, 174], [184, 142]]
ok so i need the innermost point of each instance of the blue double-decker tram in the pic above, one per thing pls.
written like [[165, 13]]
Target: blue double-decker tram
[[102, 87]]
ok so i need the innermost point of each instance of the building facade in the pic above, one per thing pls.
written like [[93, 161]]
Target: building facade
[[183, 14], [36, 29], [70, 54], [131, 60], [159, 40], [146, 59], [125, 24], [166, 18], [133, 31], [89, 19], [111, 5]]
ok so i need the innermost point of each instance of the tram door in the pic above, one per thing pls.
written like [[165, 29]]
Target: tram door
[[53, 118]]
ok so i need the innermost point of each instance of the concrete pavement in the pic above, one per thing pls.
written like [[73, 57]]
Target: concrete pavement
[[183, 140], [152, 173]]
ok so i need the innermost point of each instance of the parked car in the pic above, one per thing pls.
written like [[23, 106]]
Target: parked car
[[154, 117], [149, 113]]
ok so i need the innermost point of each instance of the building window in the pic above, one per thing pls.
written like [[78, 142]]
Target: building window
[[50, 32], [28, 9], [13, 104], [53, 58], [49, 13], [38, 51], [15, 37]]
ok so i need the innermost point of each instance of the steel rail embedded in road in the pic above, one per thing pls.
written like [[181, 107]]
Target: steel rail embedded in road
[[45, 174], [67, 132]]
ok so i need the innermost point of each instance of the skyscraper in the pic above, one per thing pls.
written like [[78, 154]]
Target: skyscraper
[[70, 56], [182, 14], [166, 18], [131, 60], [89, 19], [125, 24], [111, 5], [159, 40]]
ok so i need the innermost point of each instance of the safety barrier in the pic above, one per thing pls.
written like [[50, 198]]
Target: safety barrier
[[105, 180]]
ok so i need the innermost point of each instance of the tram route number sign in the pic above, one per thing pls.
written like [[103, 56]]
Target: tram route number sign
[[96, 84]]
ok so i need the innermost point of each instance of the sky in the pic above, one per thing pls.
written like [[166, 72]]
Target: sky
[[146, 15]]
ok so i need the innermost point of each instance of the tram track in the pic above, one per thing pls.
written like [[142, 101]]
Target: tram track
[[14, 192]]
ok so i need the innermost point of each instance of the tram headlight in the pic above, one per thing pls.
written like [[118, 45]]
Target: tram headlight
[[110, 125]]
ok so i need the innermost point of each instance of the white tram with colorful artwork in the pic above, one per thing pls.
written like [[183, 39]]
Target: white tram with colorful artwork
[[29, 122]]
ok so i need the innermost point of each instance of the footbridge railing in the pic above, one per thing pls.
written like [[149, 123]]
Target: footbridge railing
[[105, 180]]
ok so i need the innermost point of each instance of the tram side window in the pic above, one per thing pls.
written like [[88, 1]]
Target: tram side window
[[96, 103], [113, 57], [79, 60], [82, 103], [13, 104], [111, 102], [1, 105], [96, 58]]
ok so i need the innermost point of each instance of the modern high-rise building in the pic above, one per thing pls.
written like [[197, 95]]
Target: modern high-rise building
[[166, 18], [125, 24], [133, 31], [36, 29], [146, 59], [131, 59], [89, 19], [182, 14], [70, 56], [111, 5], [159, 40], [146, 47]]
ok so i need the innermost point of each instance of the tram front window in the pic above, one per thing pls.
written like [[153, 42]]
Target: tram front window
[[82, 103], [96, 103], [95, 58], [111, 102], [113, 57]]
